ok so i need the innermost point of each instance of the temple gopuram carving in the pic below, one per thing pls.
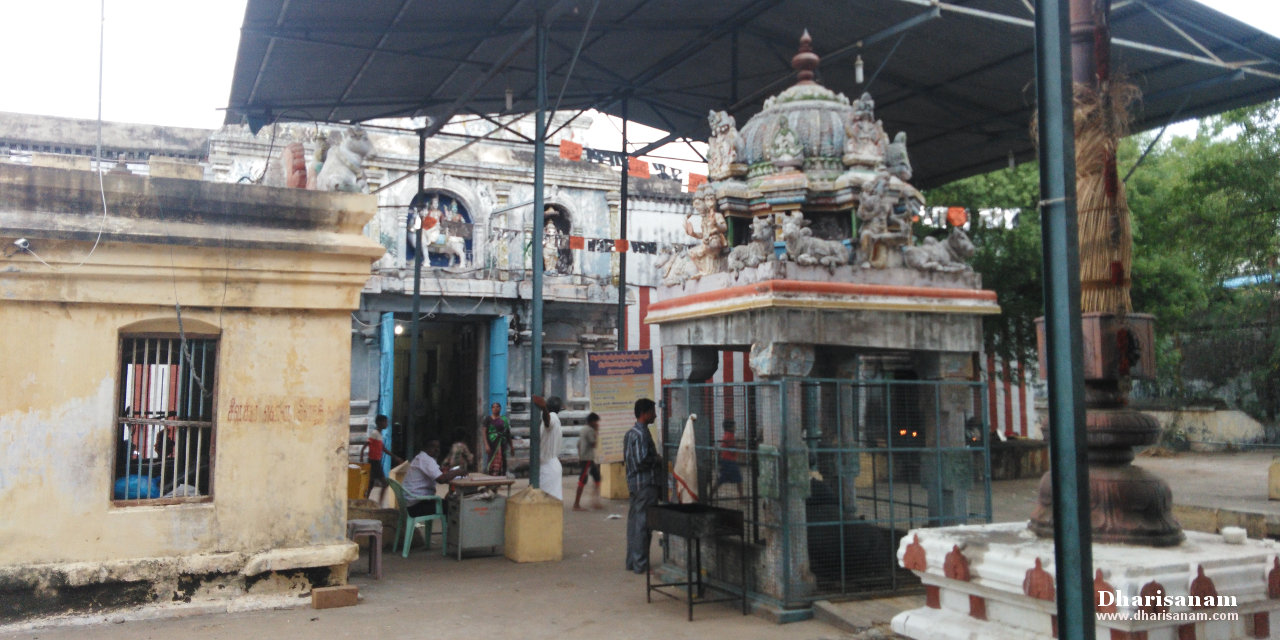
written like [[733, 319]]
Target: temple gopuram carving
[[824, 175]]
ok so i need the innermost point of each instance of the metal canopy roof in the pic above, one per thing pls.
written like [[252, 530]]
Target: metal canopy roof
[[957, 76]]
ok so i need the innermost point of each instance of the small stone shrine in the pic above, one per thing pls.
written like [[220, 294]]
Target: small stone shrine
[[805, 259]]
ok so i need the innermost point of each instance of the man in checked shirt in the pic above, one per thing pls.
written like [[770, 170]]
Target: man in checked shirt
[[645, 479]]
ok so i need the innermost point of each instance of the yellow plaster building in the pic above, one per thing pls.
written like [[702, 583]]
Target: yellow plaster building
[[174, 404]]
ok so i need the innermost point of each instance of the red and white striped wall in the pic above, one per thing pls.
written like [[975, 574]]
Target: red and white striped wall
[[641, 336], [1011, 398], [733, 364]]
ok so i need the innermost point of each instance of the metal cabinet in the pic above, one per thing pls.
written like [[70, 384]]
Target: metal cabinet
[[476, 524]]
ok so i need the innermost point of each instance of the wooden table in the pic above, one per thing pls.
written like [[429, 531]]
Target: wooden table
[[480, 480]]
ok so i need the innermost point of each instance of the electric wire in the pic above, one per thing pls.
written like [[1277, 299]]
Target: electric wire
[[97, 152]]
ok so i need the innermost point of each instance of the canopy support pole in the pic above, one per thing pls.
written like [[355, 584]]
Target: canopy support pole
[[415, 363], [1073, 551], [622, 233], [539, 182]]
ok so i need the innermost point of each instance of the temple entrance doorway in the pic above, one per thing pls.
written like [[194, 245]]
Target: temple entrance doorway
[[449, 384]]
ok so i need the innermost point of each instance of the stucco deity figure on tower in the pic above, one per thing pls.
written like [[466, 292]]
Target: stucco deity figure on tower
[[436, 238], [896, 161], [708, 256], [865, 140], [722, 148], [784, 150], [881, 229], [451, 213], [343, 168], [551, 245]]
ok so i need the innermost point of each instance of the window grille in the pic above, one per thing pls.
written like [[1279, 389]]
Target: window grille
[[164, 420]]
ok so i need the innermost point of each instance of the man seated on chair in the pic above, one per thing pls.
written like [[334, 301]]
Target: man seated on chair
[[420, 481]]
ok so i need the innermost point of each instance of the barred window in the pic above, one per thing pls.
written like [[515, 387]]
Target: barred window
[[164, 415]]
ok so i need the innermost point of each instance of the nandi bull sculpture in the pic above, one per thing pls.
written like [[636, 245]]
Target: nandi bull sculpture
[[756, 252], [948, 255], [806, 249]]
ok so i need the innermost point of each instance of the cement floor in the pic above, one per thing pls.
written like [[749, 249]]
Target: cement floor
[[587, 595], [1231, 481], [590, 595]]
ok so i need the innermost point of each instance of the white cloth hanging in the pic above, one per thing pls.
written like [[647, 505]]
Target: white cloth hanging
[[685, 473]]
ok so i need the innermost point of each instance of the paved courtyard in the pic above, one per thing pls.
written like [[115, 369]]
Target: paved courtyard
[[589, 594]]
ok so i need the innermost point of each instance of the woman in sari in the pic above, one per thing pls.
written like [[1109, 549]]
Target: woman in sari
[[497, 439]]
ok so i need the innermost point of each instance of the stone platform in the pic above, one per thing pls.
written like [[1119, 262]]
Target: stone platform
[[996, 581]]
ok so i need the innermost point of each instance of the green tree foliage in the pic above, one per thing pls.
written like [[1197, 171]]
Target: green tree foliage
[[1008, 255], [1205, 209]]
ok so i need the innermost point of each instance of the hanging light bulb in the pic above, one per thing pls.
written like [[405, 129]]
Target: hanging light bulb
[[510, 98], [857, 69], [399, 329]]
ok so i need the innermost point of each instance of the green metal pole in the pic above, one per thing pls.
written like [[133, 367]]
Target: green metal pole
[[1073, 551], [415, 363], [622, 230], [986, 447], [539, 179]]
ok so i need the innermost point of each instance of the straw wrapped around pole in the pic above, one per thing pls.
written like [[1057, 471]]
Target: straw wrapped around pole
[[1106, 238]]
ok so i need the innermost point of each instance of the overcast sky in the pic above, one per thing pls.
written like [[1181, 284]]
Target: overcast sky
[[169, 62]]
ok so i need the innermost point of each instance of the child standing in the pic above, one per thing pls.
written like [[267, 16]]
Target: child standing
[[459, 453], [377, 475], [730, 473]]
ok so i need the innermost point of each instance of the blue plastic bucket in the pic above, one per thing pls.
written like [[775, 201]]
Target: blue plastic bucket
[[136, 487]]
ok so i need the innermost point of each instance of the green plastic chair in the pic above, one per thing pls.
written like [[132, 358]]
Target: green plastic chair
[[410, 523]]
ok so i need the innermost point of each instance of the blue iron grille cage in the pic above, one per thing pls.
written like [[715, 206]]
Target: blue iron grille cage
[[830, 475]]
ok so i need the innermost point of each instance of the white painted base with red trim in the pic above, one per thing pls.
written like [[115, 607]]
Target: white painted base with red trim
[[980, 583]]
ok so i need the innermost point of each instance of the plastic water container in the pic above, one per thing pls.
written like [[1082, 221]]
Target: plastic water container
[[137, 487]]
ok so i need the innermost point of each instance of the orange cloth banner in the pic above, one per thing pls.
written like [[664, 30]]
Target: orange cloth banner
[[957, 216], [577, 242], [637, 168], [570, 150], [696, 180]]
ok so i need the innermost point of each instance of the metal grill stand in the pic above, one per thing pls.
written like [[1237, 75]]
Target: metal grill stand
[[693, 522]]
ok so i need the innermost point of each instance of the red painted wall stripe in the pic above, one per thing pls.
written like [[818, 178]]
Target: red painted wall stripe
[[1022, 400], [644, 313], [1008, 397]]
